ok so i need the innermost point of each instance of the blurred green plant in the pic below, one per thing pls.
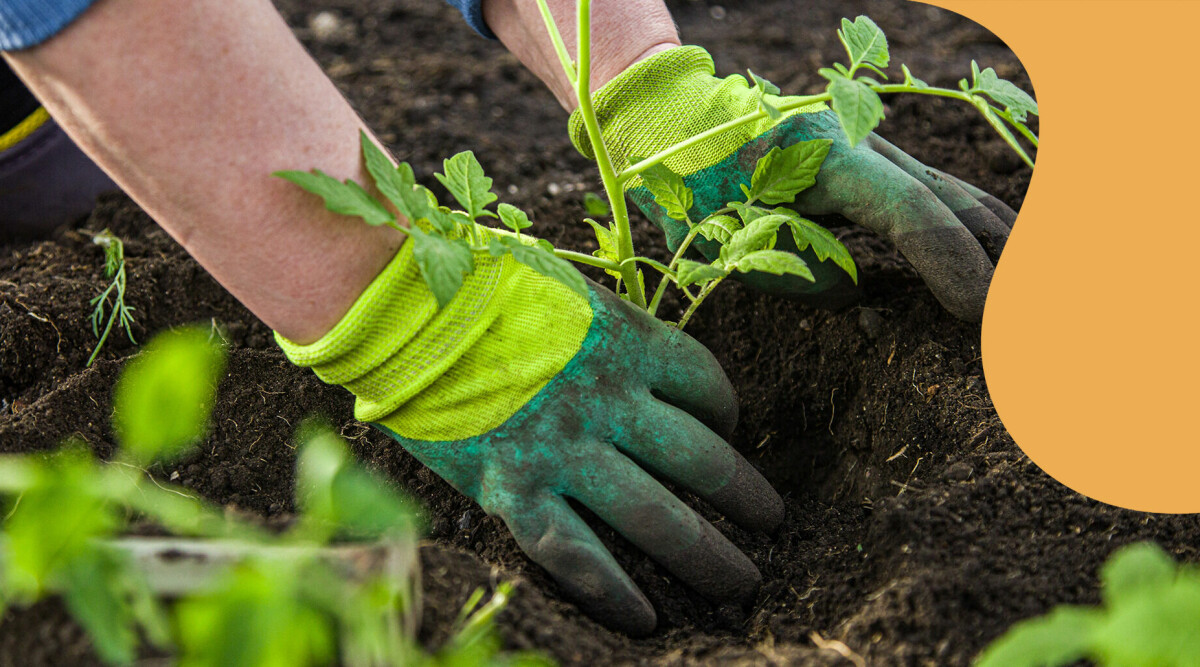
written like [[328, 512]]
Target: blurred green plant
[[1149, 617], [285, 600]]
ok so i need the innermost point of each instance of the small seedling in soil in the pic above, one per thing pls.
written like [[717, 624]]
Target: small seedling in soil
[[447, 241], [114, 272], [1150, 616], [339, 585]]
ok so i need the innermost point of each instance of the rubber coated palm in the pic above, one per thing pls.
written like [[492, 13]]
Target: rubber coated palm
[[637, 399]]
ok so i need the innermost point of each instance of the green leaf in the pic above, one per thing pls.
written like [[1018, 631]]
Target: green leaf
[[513, 217], [442, 262], [747, 212], [92, 588], [261, 613], [164, 395], [857, 106], [825, 245], [719, 228], [757, 235], [546, 263], [689, 273], [332, 488], [1134, 570], [784, 172], [1059, 638], [347, 198], [607, 238], [763, 88], [595, 205], [910, 80], [1017, 102], [464, 178], [668, 190], [1152, 626], [775, 262], [39, 543], [864, 42]]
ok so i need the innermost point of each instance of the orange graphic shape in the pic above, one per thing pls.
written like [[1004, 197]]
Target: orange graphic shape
[[1088, 345]]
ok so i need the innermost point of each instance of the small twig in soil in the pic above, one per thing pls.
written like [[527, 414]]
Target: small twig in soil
[[837, 647]]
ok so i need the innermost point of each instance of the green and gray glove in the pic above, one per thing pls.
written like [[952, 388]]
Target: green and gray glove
[[524, 395], [949, 230]]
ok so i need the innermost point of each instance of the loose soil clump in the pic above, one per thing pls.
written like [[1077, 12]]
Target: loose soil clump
[[916, 530]]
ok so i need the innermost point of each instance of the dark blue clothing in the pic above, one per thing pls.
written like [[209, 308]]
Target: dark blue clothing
[[26, 23]]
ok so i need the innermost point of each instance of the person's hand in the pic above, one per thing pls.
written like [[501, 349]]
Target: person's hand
[[950, 231], [525, 395]]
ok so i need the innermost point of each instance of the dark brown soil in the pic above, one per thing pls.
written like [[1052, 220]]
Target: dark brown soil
[[916, 531]]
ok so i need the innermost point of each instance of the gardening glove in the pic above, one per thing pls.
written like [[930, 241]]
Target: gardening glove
[[950, 231], [524, 395]]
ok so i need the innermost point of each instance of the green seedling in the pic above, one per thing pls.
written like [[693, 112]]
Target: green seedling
[[337, 586], [114, 272], [1150, 616], [447, 241]]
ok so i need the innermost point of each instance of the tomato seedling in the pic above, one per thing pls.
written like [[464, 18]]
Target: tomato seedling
[[446, 241]]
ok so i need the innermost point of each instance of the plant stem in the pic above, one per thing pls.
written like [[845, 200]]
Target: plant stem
[[696, 304], [612, 186], [556, 38], [590, 260], [662, 286]]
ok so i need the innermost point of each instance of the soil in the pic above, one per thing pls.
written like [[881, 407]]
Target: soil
[[916, 530]]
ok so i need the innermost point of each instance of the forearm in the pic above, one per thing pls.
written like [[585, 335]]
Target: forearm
[[623, 33], [190, 106]]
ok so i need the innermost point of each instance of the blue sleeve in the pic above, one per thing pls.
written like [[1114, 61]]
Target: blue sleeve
[[473, 13], [26, 23]]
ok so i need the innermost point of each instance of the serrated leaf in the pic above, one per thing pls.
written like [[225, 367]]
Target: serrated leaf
[[176, 374], [548, 264], [784, 172], [825, 245], [857, 106], [1133, 570], [607, 238], [864, 42], [668, 190], [747, 212], [911, 80], [464, 178], [513, 217], [719, 228], [763, 88], [392, 182], [831, 74], [775, 262], [347, 198], [688, 272], [1059, 638], [442, 262], [1017, 102], [758, 234], [595, 205]]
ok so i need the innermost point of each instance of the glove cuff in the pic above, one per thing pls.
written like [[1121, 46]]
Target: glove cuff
[[453, 373], [394, 342]]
